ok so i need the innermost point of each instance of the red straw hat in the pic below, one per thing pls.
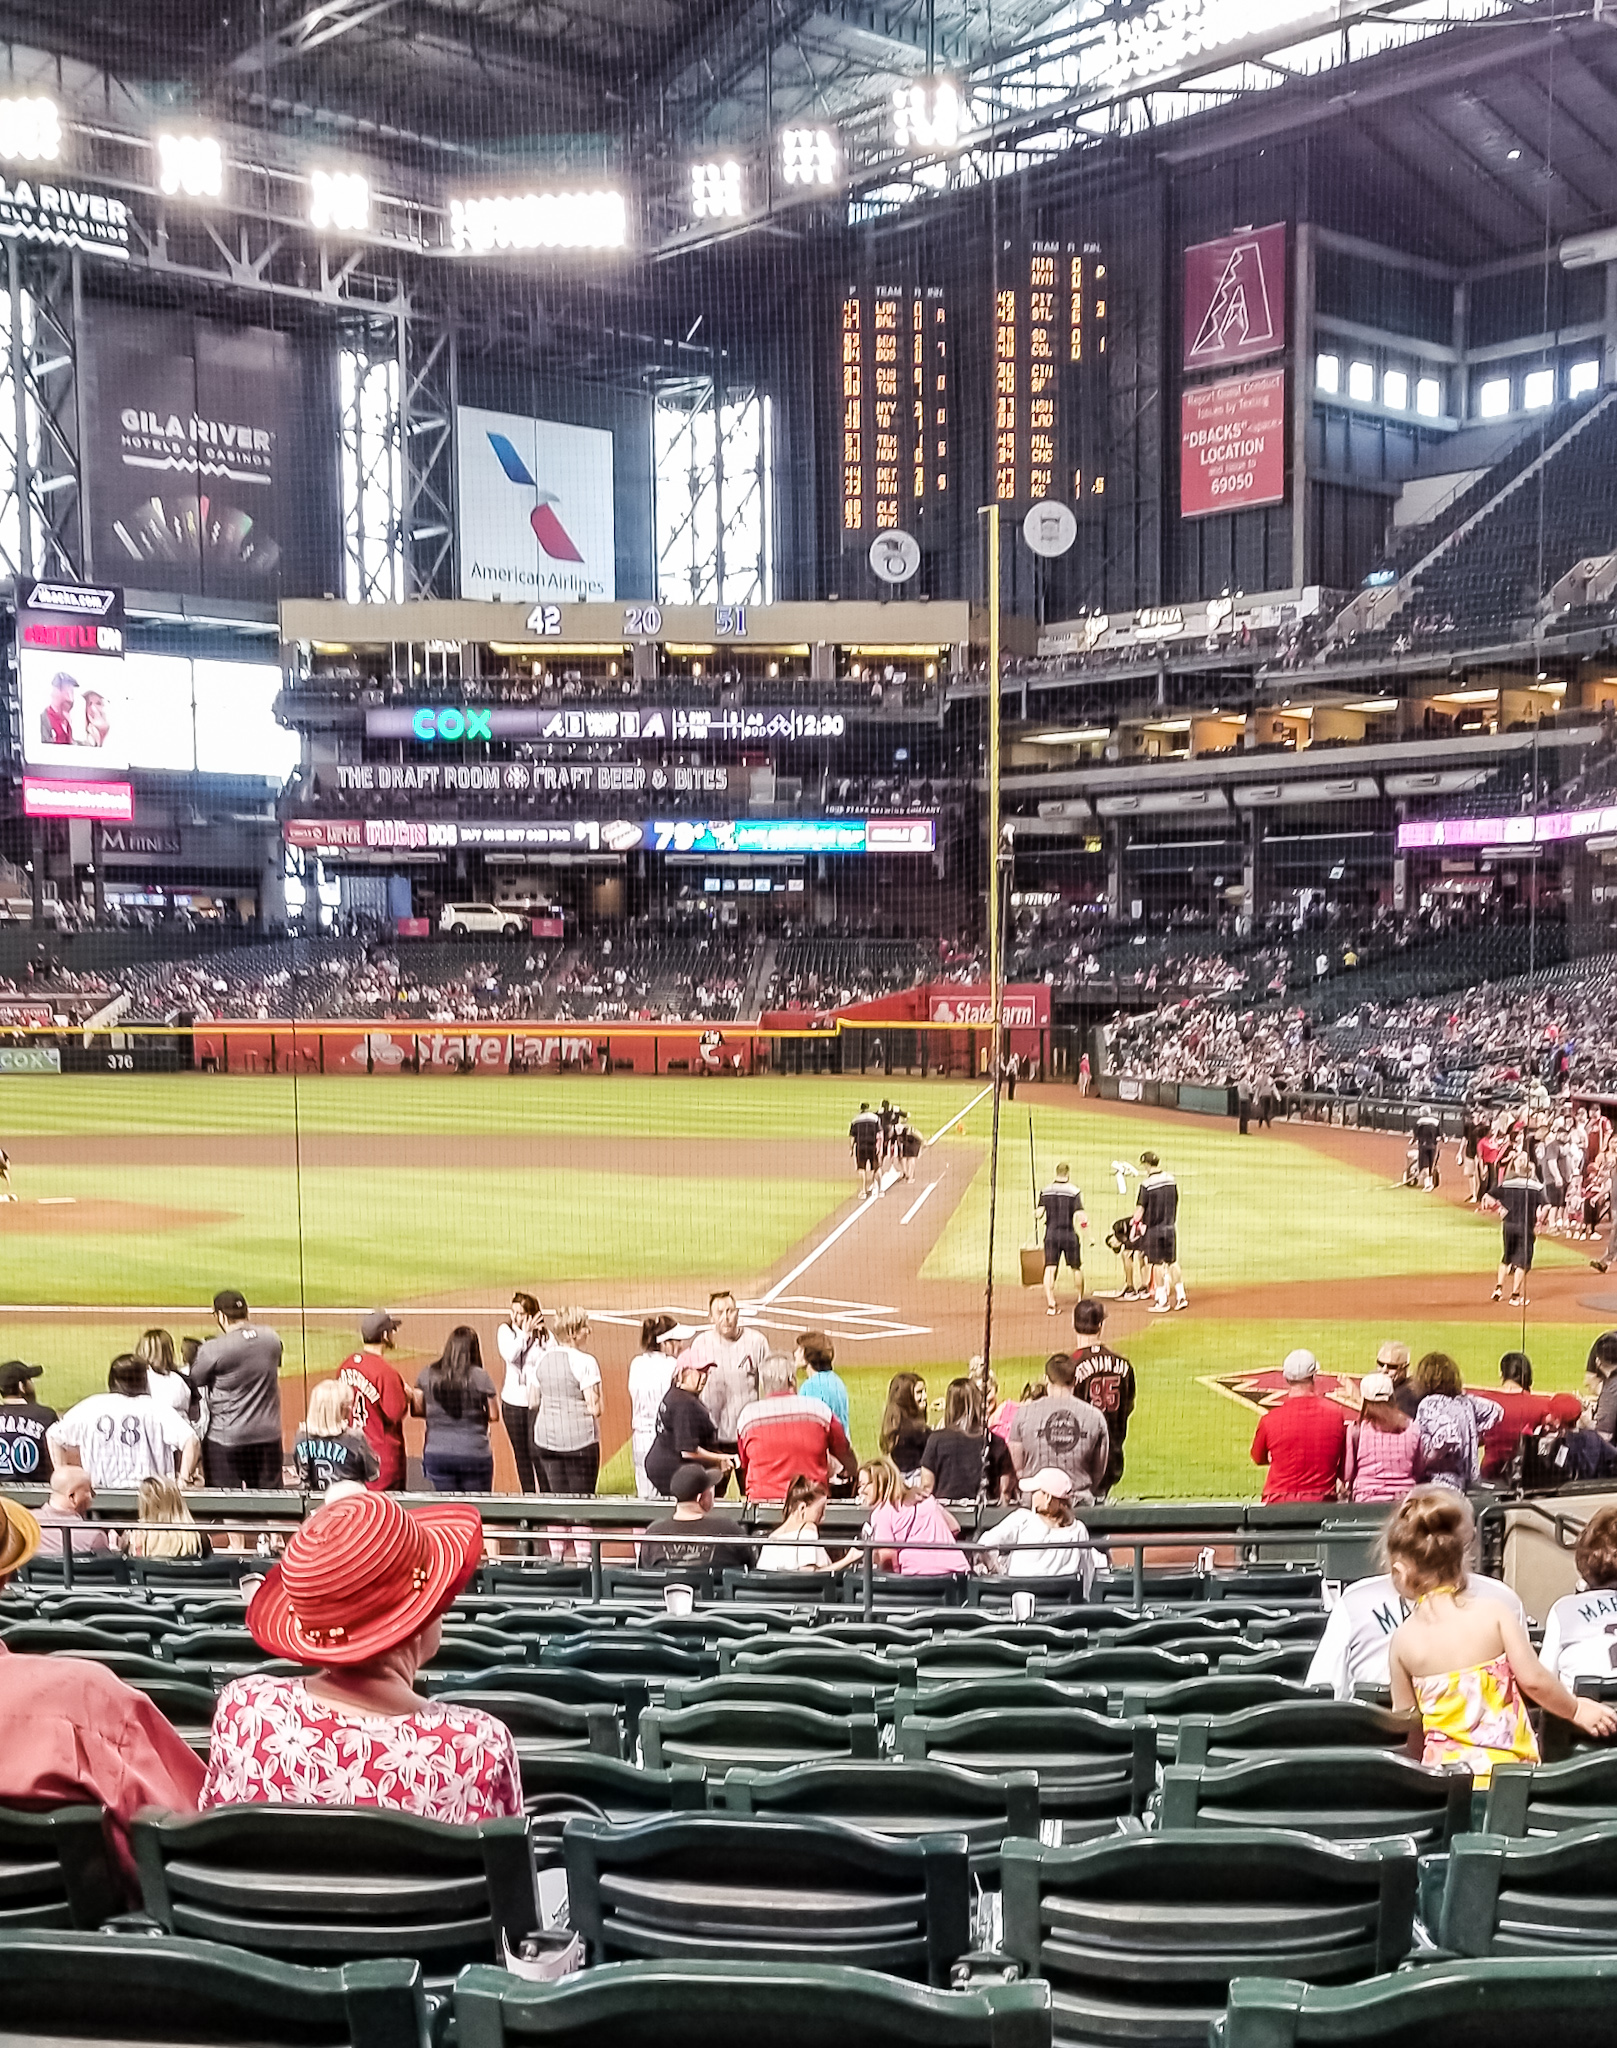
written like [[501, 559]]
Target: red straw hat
[[362, 1576]]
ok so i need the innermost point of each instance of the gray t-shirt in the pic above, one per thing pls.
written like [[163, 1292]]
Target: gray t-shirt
[[1070, 1435], [458, 1436], [241, 1370]]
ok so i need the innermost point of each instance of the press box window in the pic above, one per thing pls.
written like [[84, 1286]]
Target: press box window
[[1428, 398], [1584, 377], [1539, 390], [1362, 382], [1395, 391], [1327, 373], [1493, 400]]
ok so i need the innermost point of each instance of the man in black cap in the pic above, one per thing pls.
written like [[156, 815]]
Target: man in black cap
[[688, 1534], [240, 1370], [25, 1456]]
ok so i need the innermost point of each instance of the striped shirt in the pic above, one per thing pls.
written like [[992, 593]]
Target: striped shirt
[[782, 1436]]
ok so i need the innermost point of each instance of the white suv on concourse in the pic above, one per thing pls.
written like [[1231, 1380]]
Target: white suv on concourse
[[462, 919]]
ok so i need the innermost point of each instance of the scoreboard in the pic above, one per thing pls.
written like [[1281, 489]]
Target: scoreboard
[[897, 408], [1049, 362]]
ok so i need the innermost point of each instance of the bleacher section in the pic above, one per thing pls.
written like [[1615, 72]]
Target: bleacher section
[[896, 1863]]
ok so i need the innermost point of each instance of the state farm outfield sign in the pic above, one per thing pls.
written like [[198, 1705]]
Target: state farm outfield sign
[[1023, 1006]]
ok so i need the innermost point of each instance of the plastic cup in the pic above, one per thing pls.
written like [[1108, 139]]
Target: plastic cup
[[1022, 1606], [679, 1599]]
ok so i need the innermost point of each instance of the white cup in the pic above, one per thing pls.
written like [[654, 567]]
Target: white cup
[[679, 1599], [1022, 1606]]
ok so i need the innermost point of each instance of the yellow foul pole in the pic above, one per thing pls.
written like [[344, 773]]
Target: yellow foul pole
[[994, 946]]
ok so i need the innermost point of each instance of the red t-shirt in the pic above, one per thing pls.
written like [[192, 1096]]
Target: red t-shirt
[[1302, 1441], [380, 1406], [1523, 1412]]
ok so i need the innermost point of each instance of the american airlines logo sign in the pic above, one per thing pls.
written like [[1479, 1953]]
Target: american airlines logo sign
[[1235, 298]]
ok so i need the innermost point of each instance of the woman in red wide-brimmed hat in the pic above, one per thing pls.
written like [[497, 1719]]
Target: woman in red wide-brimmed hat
[[357, 1598]]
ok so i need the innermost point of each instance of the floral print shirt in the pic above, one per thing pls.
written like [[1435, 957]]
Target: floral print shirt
[[275, 1744]]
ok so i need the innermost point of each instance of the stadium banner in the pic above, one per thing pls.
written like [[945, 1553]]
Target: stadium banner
[[604, 726], [536, 512], [429, 1050], [1235, 298], [1024, 1006], [786, 836], [1519, 829], [1232, 444], [110, 802], [30, 1059], [585, 778], [191, 451]]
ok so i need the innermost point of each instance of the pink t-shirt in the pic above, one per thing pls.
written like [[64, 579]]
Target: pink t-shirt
[[917, 1522], [274, 1744], [1381, 1463]]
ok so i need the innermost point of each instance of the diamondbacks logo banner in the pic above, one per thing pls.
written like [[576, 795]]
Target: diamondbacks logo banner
[[1235, 298]]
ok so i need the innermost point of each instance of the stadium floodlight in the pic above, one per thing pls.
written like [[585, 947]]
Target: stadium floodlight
[[716, 192], [30, 131], [809, 156], [340, 200], [538, 220], [192, 164], [929, 115]]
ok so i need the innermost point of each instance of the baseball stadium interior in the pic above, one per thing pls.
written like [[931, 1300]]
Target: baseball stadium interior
[[808, 1084]]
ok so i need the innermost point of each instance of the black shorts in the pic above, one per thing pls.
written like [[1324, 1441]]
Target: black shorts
[[254, 1465], [865, 1159], [1161, 1246], [1062, 1244], [1518, 1251]]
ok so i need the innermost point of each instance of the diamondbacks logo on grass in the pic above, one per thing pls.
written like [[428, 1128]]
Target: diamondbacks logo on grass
[[1267, 1387]]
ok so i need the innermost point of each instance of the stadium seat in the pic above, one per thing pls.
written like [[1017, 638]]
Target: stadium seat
[[974, 1695], [740, 1688], [629, 1653], [1496, 2003], [1547, 1799], [541, 1724], [563, 1785], [1119, 1667], [56, 1870], [1301, 1724], [817, 1589], [881, 1636], [1224, 1692], [1339, 1797], [338, 1884], [755, 1734], [769, 1891], [831, 1665], [529, 1581], [688, 2004], [566, 1684], [977, 1655], [70, 1639], [1139, 1937], [78, 1988], [1530, 1898], [1092, 1770], [901, 1800]]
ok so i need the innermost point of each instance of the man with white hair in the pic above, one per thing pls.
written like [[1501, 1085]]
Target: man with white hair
[[1303, 1438], [784, 1435]]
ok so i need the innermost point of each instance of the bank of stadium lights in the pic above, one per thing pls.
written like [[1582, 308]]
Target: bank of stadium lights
[[340, 200], [809, 156], [538, 220], [190, 164], [717, 192], [927, 115], [30, 131]]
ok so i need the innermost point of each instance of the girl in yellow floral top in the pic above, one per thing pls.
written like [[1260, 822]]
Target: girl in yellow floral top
[[1465, 1661]]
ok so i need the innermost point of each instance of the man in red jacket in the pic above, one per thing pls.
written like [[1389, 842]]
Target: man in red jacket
[[1302, 1441]]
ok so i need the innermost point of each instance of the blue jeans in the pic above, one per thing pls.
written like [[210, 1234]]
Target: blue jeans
[[449, 1472]]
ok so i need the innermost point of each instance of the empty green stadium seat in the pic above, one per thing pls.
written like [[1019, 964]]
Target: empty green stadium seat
[[753, 1734], [55, 1871], [897, 1799], [569, 1685], [1337, 1796], [769, 1891], [547, 1724], [738, 1688], [1222, 1692], [832, 1665], [1139, 1936], [1550, 1896], [1313, 1724], [328, 1885], [1093, 1770], [1547, 1799], [629, 1653], [563, 1785], [974, 1695], [1116, 1668], [689, 2004], [79, 1988], [1492, 2004], [70, 1639]]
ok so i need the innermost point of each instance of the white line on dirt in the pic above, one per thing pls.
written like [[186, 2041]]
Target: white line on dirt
[[818, 1252], [959, 1113], [915, 1205]]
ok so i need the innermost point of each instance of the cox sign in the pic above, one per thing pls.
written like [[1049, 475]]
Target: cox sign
[[451, 724]]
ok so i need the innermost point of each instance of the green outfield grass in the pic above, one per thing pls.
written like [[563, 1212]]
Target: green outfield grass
[[1252, 1210]]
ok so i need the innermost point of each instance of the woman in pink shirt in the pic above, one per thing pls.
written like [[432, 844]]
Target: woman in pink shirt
[[915, 1534], [1383, 1446]]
